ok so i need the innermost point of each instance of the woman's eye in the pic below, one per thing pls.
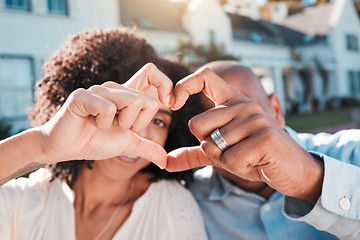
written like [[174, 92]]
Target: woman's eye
[[159, 123]]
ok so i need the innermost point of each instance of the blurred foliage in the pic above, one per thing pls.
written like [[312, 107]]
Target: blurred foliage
[[357, 6], [199, 54], [4, 130]]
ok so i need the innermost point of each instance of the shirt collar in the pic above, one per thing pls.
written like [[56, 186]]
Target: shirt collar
[[69, 193], [220, 187]]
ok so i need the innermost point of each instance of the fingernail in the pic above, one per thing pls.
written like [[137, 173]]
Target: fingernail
[[160, 166], [168, 101], [172, 102]]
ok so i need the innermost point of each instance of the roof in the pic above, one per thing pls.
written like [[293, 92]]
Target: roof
[[265, 32], [153, 14], [316, 20]]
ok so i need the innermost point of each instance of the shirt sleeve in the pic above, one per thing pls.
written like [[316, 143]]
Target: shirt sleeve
[[20, 200], [338, 209]]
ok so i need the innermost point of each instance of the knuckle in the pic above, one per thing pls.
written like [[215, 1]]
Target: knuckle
[[108, 84], [206, 71], [269, 134], [137, 102], [95, 88], [252, 106], [226, 131], [259, 120], [77, 94], [150, 66], [110, 108]]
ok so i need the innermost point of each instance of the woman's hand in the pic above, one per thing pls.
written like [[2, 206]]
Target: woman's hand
[[150, 76], [100, 123], [260, 150]]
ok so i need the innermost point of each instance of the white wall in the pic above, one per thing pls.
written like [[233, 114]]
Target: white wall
[[275, 57], [204, 16], [349, 23], [265, 54], [37, 33], [165, 43]]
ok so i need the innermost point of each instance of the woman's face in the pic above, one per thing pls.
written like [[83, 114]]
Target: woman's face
[[124, 167]]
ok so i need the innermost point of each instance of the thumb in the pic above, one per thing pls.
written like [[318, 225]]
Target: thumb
[[186, 158], [147, 149]]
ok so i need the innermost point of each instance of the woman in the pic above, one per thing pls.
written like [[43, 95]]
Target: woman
[[123, 197]]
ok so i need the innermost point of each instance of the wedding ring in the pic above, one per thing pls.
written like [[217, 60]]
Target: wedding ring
[[219, 140]]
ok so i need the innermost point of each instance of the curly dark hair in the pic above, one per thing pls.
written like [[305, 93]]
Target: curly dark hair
[[94, 57]]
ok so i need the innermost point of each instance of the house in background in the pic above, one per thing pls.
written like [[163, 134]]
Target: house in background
[[334, 61], [307, 58], [30, 31]]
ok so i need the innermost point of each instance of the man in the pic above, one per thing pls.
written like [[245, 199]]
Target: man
[[237, 196]]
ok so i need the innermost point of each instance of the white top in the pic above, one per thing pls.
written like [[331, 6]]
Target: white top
[[35, 208]]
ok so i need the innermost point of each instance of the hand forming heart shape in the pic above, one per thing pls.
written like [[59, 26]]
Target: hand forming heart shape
[[257, 148]]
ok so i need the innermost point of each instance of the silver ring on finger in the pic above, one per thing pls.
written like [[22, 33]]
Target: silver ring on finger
[[219, 140]]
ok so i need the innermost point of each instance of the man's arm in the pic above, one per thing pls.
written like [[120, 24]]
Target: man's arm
[[336, 210]]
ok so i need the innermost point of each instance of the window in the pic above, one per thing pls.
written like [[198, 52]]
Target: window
[[352, 43], [16, 86], [23, 5], [354, 82], [256, 38], [58, 7]]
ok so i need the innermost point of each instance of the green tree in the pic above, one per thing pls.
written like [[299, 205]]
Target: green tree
[[357, 6]]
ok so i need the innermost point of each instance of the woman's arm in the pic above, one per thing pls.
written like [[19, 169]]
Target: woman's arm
[[21, 154]]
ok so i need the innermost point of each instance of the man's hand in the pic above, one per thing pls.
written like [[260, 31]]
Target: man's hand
[[260, 149]]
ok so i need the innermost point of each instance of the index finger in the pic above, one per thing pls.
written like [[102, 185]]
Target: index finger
[[149, 75], [207, 81]]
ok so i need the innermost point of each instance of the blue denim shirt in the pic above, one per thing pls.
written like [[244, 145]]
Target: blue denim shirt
[[232, 213]]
